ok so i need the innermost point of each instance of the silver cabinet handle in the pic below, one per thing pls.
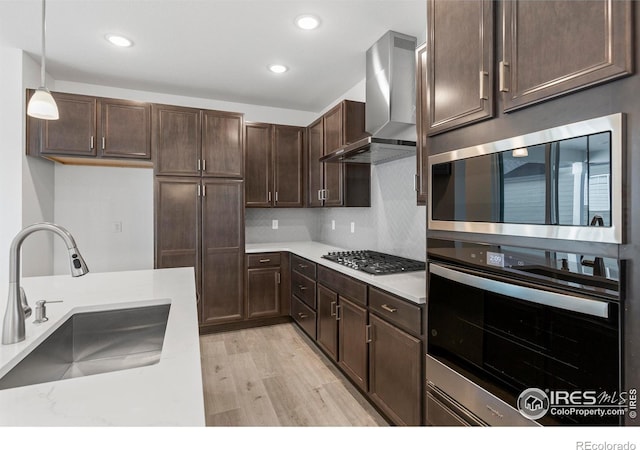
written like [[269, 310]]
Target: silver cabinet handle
[[388, 308], [276, 196], [483, 74], [332, 308], [199, 191], [104, 142], [204, 165], [302, 288], [269, 196], [338, 309], [368, 334], [503, 66], [266, 260], [92, 141], [302, 266], [199, 165], [325, 193], [319, 194], [204, 190], [302, 315], [278, 277]]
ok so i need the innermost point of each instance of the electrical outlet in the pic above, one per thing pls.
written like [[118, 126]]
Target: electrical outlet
[[333, 224], [353, 227], [116, 227], [274, 224]]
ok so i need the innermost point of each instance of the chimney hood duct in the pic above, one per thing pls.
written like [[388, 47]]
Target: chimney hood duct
[[390, 111]]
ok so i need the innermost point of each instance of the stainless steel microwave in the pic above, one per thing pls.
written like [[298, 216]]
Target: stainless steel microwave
[[559, 183]]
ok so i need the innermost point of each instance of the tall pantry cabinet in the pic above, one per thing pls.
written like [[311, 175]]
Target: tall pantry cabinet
[[199, 204]]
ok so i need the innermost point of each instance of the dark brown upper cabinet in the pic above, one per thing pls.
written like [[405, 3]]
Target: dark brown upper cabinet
[[274, 165], [222, 154], [552, 48], [101, 130], [421, 179], [176, 140], [459, 63], [194, 142], [337, 184]]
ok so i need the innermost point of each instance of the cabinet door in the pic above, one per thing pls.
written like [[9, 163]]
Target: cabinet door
[[459, 63], [222, 250], [258, 185], [175, 138], [263, 292], [288, 145], [352, 341], [395, 372], [125, 129], [315, 170], [222, 144], [333, 172], [554, 47], [177, 226], [327, 330], [75, 132], [421, 126]]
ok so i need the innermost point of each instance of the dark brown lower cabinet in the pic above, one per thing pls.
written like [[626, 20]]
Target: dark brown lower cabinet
[[327, 304], [395, 372], [352, 341], [200, 223], [263, 292]]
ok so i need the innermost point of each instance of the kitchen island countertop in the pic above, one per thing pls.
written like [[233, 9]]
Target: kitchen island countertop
[[410, 286], [168, 393]]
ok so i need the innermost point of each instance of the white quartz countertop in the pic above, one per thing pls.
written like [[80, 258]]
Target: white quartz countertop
[[412, 285], [168, 393]]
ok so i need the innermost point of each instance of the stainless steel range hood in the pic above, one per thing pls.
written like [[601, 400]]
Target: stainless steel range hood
[[390, 111]]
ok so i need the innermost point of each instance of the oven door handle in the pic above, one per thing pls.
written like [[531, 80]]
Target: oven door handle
[[569, 302]]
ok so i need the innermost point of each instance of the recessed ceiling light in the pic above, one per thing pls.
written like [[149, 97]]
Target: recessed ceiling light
[[119, 41], [278, 68], [307, 22]]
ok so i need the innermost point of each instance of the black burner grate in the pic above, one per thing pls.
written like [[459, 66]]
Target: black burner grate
[[375, 263]]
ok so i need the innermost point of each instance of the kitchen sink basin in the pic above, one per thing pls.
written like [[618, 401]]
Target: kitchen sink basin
[[94, 342]]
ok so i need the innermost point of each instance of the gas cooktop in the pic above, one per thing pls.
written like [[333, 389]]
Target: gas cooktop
[[375, 263]]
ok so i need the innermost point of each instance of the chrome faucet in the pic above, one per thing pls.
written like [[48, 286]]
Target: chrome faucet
[[18, 309]]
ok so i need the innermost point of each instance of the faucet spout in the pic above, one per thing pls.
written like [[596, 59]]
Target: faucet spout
[[13, 328]]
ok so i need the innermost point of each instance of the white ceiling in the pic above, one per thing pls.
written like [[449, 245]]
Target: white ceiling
[[217, 49]]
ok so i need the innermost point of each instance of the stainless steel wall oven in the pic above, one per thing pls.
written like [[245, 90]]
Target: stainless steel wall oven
[[503, 319], [555, 183]]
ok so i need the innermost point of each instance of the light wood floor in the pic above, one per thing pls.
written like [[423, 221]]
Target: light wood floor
[[271, 376]]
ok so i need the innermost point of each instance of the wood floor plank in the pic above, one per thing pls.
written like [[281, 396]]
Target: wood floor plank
[[275, 376]]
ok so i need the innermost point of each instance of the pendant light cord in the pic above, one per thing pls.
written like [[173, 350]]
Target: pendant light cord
[[42, 67]]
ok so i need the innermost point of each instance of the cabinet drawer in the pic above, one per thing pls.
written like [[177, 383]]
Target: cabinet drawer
[[304, 289], [263, 259], [343, 285], [304, 316], [395, 310], [303, 266]]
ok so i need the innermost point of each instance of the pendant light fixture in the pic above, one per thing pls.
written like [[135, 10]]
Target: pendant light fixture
[[42, 105]]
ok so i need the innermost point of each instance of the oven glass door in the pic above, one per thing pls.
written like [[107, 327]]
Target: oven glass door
[[507, 344]]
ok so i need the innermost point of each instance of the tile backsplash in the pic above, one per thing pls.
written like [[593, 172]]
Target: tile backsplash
[[393, 224]]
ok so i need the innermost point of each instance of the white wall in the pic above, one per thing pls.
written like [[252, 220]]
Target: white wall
[[11, 151], [93, 203], [37, 193]]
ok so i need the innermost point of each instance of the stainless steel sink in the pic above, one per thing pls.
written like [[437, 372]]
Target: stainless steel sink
[[94, 342]]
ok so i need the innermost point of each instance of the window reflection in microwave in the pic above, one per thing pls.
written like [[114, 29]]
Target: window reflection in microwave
[[564, 182]]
